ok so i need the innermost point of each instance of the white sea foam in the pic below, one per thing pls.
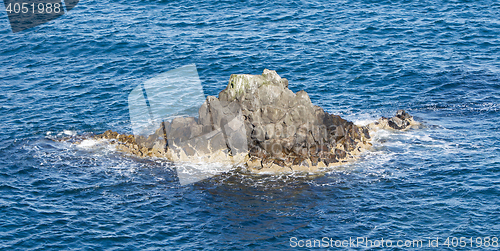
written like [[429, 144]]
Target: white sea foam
[[364, 122], [100, 147], [191, 172], [69, 132], [387, 145], [89, 143]]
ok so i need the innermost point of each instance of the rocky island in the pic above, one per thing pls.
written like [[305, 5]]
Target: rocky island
[[259, 122]]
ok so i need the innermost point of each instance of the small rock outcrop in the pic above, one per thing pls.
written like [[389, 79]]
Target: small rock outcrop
[[259, 122], [402, 121]]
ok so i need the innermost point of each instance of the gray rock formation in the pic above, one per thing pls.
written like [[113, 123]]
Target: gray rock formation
[[402, 121], [285, 131], [259, 122]]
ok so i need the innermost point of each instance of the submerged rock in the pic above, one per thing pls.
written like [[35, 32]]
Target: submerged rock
[[259, 122]]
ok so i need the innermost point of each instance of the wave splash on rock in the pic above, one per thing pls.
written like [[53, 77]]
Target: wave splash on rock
[[259, 122]]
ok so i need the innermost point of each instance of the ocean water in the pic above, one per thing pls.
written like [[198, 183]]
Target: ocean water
[[439, 60]]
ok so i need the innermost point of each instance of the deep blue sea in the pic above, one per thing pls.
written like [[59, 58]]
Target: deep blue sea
[[439, 60]]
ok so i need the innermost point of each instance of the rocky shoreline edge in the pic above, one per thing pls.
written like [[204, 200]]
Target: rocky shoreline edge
[[258, 122]]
